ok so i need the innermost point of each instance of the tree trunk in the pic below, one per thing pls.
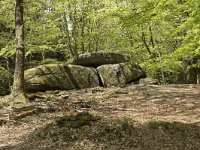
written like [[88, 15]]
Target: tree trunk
[[143, 38], [68, 35], [74, 32], [82, 33], [89, 30], [151, 37], [18, 84]]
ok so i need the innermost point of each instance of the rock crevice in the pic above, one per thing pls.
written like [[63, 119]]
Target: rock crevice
[[112, 70]]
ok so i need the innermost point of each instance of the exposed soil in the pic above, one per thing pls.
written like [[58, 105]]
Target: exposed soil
[[133, 117]]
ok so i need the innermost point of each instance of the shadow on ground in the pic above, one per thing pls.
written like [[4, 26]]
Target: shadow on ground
[[85, 131]]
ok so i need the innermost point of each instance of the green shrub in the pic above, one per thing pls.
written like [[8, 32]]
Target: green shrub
[[4, 81]]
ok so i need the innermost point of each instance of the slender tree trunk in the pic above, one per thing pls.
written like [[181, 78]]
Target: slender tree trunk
[[18, 84], [83, 25], [68, 36], [143, 37], [130, 37], [161, 66], [97, 38], [82, 33], [90, 30], [151, 37], [43, 56], [74, 37], [74, 32]]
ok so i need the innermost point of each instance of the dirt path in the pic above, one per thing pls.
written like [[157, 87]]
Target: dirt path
[[169, 103], [180, 103]]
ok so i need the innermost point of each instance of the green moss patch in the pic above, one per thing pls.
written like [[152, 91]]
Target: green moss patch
[[76, 121]]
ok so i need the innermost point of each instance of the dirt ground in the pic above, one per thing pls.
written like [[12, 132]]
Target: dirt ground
[[134, 117]]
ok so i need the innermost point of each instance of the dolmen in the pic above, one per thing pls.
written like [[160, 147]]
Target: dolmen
[[85, 71]]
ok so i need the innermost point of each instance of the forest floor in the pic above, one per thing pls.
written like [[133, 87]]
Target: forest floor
[[132, 117]]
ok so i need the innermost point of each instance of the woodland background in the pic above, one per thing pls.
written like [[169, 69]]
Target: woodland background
[[163, 36]]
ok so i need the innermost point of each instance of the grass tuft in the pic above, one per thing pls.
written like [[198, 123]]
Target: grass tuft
[[176, 126], [76, 121]]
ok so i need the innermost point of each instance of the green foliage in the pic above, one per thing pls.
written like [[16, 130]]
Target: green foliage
[[4, 81], [160, 35], [7, 27]]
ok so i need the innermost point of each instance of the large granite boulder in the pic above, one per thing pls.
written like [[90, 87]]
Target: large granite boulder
[[96, 59], [60, 77], [120, 74]]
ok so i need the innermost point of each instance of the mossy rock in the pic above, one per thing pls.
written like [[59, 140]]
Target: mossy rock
[[120, 74], [60, 77], [96, 59]]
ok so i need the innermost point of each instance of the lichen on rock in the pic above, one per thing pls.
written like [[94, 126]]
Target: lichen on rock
[[60, 77], [96, 59], [119, 74]]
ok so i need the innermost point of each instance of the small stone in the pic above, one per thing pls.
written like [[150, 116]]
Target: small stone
[[148, 81], [64, 97]]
